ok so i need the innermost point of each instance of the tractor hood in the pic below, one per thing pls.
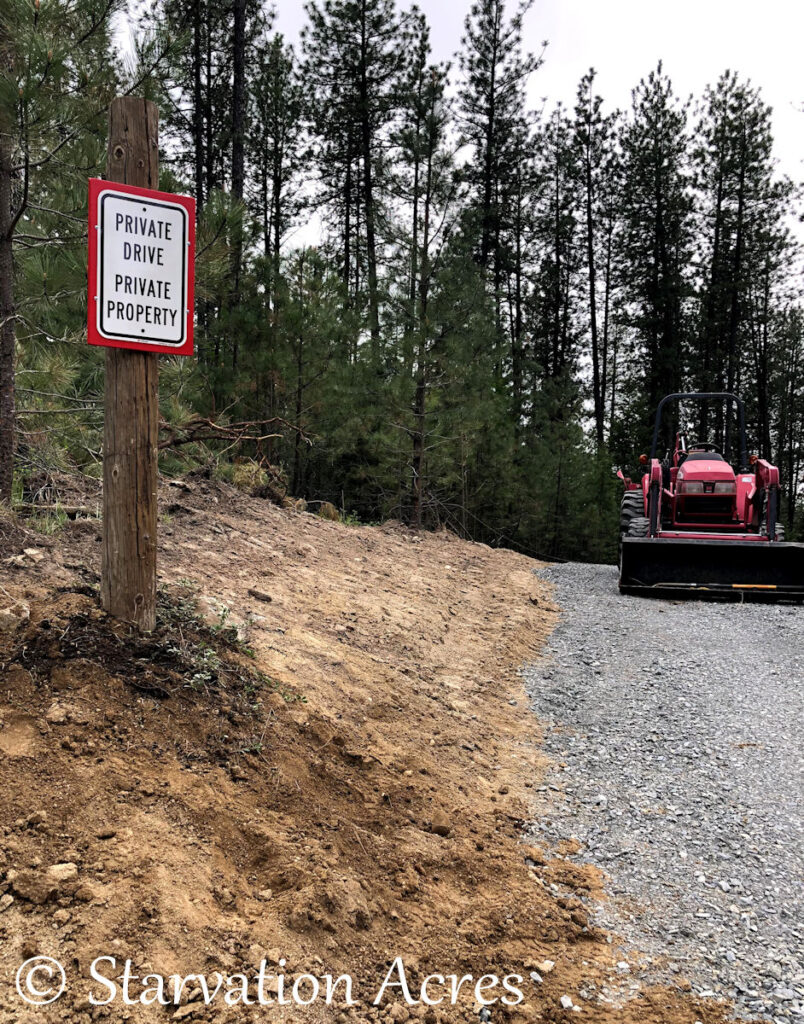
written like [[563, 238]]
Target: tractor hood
[[706, 470]]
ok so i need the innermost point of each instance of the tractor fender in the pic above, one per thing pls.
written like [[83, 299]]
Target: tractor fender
[[653, 475], [767, 475], [655, 472]]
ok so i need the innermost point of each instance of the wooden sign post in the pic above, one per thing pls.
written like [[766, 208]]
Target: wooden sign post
[[140, 303], [131, 408]]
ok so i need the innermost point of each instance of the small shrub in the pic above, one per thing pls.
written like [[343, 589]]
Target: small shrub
[[248, 475]]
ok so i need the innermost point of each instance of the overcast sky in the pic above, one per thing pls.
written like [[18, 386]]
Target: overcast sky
[[624, 39]]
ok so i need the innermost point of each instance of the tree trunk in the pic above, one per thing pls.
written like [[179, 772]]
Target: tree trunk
[[710, 338], [7, 329], [420, 397], [414, 248], [488, 156], [296, 484], [238, 97], [736, 287], [198, 112], [209, 150], [238, 155], [557, 266], [597, 391], [276, 199], [347, 225], [604, 373], [516, 333], [368, 190]]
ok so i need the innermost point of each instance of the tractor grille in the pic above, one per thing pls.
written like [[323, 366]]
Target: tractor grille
[[696, 508]]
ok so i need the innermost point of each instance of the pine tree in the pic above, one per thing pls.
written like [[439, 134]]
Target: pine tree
[[610, 230], [196, 93], [354, 59], [593, 142], [276, 147], [430, 190], [276, 154], [656, 238], [788, 392], [559, 251], [491, 116], [519, 191], [745, 247], [55, 86]]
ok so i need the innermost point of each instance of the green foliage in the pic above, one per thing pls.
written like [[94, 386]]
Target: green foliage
[[496, 299], [209, 654], [48, 522]]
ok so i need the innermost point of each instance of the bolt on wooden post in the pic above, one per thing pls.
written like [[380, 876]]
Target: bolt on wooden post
[[131, 408]]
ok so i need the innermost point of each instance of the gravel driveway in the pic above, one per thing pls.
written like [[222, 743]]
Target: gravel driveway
[[681, 728]]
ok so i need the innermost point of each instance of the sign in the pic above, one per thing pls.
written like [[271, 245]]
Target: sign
[[141, 268]]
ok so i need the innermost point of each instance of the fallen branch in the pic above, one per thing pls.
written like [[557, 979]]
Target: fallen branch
[[200, 429]]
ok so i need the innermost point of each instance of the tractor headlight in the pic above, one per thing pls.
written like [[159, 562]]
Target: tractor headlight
[[726, 487], [690, 487]]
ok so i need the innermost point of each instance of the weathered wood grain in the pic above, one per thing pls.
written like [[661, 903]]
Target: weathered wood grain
[[131, 409]]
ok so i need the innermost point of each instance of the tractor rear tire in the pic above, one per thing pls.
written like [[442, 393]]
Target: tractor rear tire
[[633, 505], [638, 527]]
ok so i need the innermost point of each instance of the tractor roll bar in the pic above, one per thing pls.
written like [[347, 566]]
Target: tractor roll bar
[[700, 396]]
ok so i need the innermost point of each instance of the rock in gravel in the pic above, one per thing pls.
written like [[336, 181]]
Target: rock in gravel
[[684, 716]]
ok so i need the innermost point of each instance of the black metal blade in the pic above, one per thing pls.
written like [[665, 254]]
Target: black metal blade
[[719, 565]]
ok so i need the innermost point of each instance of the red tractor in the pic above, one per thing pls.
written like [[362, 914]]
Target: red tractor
[[697, 523]]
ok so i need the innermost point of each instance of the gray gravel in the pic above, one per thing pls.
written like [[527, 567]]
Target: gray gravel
[[681, 728]]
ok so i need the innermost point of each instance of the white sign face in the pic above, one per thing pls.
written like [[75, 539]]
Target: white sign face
[[142, 269]]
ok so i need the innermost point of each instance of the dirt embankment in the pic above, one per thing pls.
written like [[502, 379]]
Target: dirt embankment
[[332, 769]]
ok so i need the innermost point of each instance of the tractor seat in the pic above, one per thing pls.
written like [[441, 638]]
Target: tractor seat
[[704, 457]]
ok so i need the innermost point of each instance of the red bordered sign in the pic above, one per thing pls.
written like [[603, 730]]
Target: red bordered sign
[[141, 268]]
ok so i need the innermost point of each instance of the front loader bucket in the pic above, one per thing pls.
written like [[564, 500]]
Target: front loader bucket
[[737, 568]]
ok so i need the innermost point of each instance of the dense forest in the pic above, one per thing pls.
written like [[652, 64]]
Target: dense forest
[[496, 298]]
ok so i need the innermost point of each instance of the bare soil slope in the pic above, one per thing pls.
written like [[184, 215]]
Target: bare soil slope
[[333, 768]]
